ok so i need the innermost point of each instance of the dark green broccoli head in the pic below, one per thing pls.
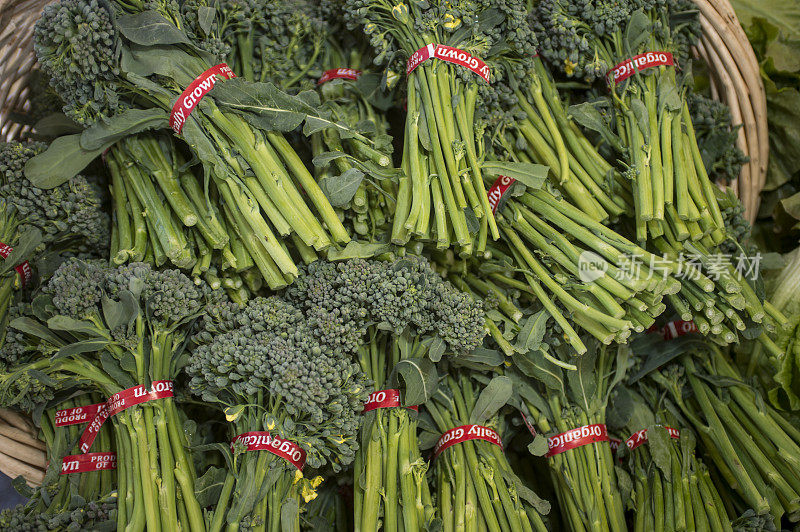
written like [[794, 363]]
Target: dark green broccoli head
[[72, 211], [342, 299], [77, 45], [271, 359], [570, 33]]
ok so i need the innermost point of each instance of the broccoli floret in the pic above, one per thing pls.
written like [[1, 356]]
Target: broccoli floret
[[77, 45], [344, 298], [271, 358], [72, 211], [88, 516]]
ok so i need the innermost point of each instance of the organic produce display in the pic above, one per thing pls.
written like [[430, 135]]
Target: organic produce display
[[457, 266]]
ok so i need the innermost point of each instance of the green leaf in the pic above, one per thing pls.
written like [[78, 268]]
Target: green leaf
[[583, 382], [534, 364], [35, 329], [492, 398], [529, 174], [324, 159], [658, 442], [208, 487], [205, 18], [114, 313], [538, 447], [23, 250], [65, 323], [358, 250], [64, 159], [85, 346], [481, 355], [420, 378], [588, 116], [55, 125], [114, 370], [340, 189], [642, 117], [436, 349], [532, 333], [123, 125], [638, 31], [781, 19], [150, 28]]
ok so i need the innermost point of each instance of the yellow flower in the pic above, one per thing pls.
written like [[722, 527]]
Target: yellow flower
[[569, 67], [450, 22]]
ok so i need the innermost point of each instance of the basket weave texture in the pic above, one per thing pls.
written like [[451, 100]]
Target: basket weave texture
[[724, 47]]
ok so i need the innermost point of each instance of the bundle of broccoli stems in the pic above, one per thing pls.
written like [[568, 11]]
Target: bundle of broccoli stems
[[753, 446], [672, 487]]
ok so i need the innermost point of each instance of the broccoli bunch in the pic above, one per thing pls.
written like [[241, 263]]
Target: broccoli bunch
[[391, 316], [77, 45], [73, 210], [114, 329], [275, 375], [271, 358]]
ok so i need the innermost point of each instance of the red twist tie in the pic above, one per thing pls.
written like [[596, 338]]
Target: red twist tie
[[450, 55], [385, 399], [629, 67], [640, 437], [264, 441], [614, 443], [339, 73], [24, 269], [498, 190], [466, 433], [122, 401], [84, 463], [77, 415], [189, 98], [575, 438]]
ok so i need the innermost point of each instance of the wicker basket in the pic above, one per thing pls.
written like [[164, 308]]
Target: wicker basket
[[724, 47]]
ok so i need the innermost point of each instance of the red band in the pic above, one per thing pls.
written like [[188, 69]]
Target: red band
[[629, 67], [640, 437], [498, 190], [466, 433], [189, 98], [122, 401], [576, 438], [84, 463], [24, 270], [385, 399], [339, 73], [449, 54], [674, 329], [77, 415], [263, 441]]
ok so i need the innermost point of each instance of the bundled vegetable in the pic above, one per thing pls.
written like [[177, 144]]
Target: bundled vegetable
[[400, 317], [753, 446], [43, 226], [451, 57], [120, 332], [125, 79], [287, 394], [570, 408], [476, 486], [672, 488]]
